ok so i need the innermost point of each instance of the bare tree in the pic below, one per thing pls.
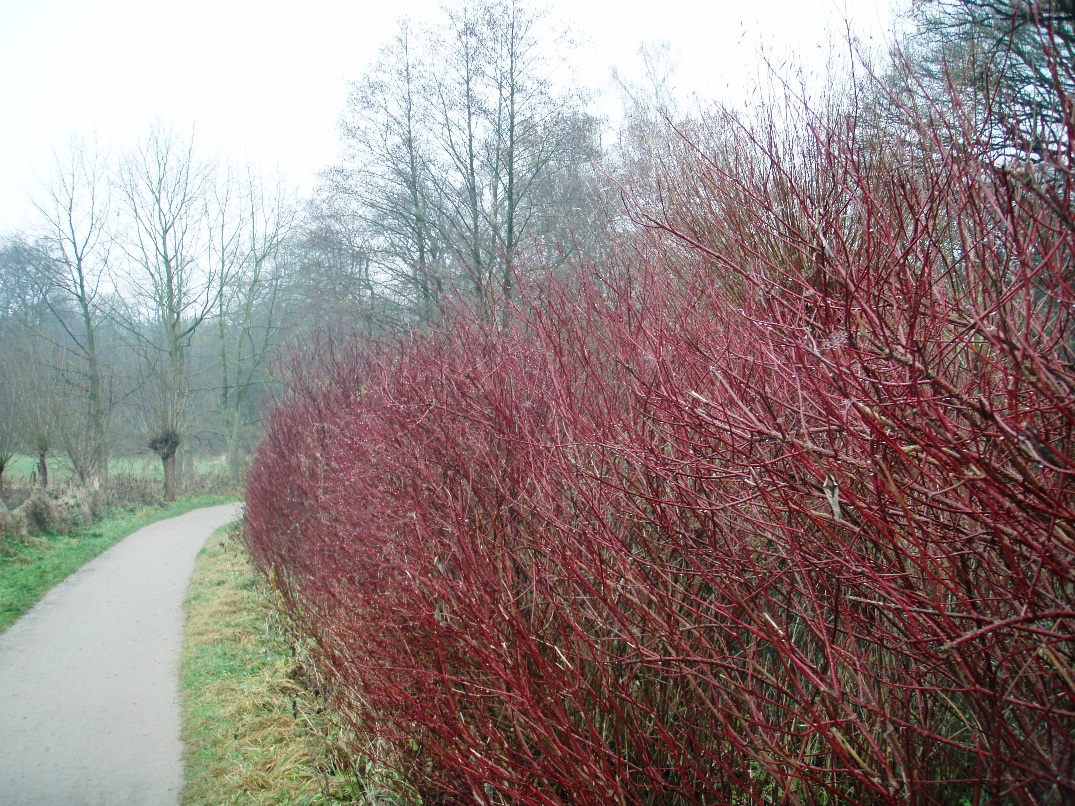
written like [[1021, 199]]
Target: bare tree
[[22, 295], [41, 393], [254, 217], [170, 289], [1010, 63], [333, 280], [74, 211], [463, 155], [460, 102], [534, 129], [9, 413], [387, 171], [519, 146], [23, 309]]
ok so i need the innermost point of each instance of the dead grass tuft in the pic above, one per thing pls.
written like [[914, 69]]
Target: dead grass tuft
[[253, 734]]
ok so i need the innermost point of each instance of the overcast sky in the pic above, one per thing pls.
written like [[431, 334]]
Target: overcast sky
[[267, 80]]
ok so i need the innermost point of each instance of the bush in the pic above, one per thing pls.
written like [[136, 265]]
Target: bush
[[781, 512]]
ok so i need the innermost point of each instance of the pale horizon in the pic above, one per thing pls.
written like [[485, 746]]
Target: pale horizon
[[264, 83]]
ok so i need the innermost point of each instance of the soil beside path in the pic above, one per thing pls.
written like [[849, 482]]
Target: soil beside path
[[89, 711]]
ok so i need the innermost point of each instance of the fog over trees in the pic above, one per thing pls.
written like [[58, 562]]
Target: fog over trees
[[464, 162], [144, 311]]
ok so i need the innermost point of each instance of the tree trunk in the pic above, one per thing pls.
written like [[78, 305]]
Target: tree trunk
[[42, 471], [185, 476], [169, 476], [234, 438], [165, 446], [233, 458], [97, 409]]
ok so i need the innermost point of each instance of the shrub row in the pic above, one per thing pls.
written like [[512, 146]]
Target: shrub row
[[780, 511]]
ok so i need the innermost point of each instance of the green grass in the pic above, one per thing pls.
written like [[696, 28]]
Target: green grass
[[20, 467], [147, 465], [29, 568], [252, 732]]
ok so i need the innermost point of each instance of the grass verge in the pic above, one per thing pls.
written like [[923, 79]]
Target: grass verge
[[31, 567], [253, 733]]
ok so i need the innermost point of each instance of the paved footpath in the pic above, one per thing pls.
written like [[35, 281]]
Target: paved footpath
[[89, 679]]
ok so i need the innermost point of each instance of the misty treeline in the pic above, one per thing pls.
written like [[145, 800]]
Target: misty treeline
[[766, 499], [137, 315], [144, 310]]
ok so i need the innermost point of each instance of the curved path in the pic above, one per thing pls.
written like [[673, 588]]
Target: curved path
[[89, 709]]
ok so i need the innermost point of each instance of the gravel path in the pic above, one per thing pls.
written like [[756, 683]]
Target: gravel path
[[89, 710]]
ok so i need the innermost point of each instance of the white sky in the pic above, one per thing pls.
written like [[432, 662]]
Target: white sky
[[267, 80]]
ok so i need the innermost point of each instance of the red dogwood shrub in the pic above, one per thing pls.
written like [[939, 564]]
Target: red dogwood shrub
[[781, 510]]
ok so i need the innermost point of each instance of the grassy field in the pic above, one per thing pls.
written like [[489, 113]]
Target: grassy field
[[20, 467], [30, 567], [150, 466], [23, 465], [253, 733]]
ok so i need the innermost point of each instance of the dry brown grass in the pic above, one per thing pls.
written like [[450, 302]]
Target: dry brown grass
[[253, 733]]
